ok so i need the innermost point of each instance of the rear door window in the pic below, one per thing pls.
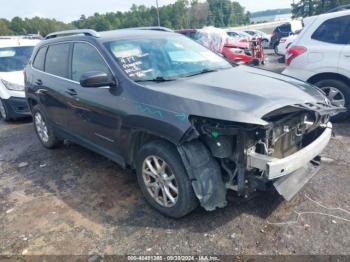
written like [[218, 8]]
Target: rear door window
[[57, 58], [39, 61], [86, 59], [334, 31]]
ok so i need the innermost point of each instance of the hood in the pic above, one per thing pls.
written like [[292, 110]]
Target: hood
[[241, 94], [13, 77]]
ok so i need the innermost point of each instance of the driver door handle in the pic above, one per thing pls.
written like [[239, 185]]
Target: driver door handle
[[71, 92]]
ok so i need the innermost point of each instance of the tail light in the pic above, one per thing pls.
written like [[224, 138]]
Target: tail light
[[294, 52]]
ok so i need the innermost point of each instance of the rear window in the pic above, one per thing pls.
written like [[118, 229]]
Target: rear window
[[57, 60], [39, 60], [334, 31], [14, 58], [285, 28]]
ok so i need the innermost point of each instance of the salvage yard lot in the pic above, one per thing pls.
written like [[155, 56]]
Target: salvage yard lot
[[73, 201]]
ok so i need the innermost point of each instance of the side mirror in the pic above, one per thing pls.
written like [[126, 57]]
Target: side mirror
[[96, 79]]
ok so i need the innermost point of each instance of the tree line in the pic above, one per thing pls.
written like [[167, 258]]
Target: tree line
[[181, 14], [305, 8]]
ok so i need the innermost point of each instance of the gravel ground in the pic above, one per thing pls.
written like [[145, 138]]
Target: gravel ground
[[73, 201]]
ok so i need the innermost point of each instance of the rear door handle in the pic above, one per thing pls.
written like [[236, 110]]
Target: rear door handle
[[39, 82], [71, 92]]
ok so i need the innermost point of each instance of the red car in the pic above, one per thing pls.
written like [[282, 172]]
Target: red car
[[237, 51], [234, 51]]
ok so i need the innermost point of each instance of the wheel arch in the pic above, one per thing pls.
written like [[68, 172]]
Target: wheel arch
[[139, 138], [335, 76], [32, 102]]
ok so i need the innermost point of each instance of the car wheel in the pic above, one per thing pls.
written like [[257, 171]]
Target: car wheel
[[276, 49], [4, 111], [43, 130], [164, 181], [339, 95]]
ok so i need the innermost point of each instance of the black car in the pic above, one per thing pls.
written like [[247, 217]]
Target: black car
[[280, 32], [189, 123]]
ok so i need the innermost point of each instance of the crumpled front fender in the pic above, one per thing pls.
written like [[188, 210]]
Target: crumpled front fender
[[205, 174]]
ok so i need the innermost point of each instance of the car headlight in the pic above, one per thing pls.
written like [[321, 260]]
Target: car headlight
[[12, 86]]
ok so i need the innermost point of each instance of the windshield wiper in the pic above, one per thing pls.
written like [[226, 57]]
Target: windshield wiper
[[204, 71], [158, 79]]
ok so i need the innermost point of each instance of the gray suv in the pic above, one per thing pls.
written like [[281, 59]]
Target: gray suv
[[191, 125]]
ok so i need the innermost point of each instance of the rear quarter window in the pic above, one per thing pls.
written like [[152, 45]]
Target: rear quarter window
[[334, 31], [56, 62], [39, 60]]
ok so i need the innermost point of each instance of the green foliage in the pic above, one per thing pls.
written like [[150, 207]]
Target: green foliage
[[181, 14], [314, 7], [35, 25]]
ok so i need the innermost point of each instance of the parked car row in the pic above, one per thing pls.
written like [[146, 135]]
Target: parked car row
[[190, 124], [233, 45]]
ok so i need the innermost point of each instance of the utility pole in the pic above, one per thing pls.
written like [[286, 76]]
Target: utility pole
[[158, 13]]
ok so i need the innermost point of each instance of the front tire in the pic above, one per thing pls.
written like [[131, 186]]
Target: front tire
[[4, 112], [338, 93], [43, 129], [163, 179]]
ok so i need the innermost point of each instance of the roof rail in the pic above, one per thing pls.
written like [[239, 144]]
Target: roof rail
[[153, 28], [339, 8], [87, 32]]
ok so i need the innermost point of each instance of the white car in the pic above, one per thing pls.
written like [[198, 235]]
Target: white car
[[285, 43], [321, 56], [238, 35], [14, 55], [264, 37]]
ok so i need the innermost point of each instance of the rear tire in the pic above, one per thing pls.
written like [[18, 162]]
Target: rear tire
[[4, 112], [330, 87], [275, 49], [155, 185], [43, 129]]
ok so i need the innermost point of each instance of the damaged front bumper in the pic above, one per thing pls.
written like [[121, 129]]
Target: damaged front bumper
[[275, 168], [294, 171]]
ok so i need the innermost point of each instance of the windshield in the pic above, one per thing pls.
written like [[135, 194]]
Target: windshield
[[164, 58], [244, 34], [14, 58]]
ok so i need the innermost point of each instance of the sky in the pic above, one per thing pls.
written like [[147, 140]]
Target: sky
[[69, 10]]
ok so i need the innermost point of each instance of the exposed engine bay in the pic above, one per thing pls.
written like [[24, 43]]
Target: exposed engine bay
[[246, 158]]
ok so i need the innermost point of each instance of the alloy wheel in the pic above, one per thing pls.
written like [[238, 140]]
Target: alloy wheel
[[41, 127], [160, 181], [335, 96]]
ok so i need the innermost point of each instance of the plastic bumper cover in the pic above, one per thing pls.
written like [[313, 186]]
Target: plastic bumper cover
[[275, 168], [17, 106]]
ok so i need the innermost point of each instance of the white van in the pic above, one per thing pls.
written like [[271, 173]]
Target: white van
[[14, 55]]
